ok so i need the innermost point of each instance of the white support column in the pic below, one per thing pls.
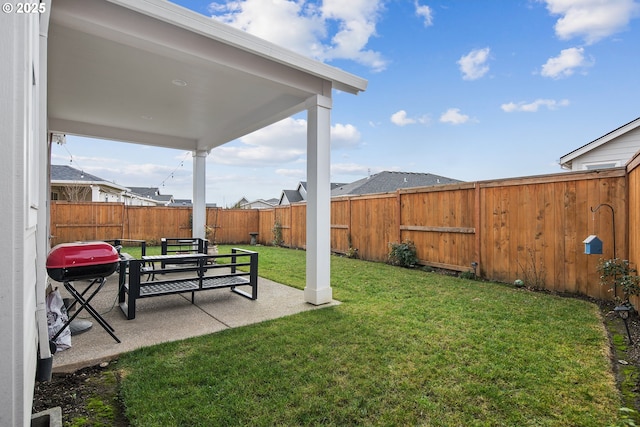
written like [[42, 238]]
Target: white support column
[[95, 193], [318, 282], [199, 193]]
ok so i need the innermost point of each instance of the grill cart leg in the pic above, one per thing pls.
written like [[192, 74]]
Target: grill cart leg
[[84, 304]]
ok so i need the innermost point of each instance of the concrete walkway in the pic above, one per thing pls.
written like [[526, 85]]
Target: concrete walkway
[[171, 318]]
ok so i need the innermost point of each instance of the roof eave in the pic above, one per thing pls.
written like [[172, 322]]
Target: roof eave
[[80, 182]]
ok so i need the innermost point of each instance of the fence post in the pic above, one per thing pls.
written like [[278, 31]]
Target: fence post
[[399, 214], [477, 225]]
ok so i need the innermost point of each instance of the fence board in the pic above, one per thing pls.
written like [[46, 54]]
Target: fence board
[[299, 226], [267, 220]]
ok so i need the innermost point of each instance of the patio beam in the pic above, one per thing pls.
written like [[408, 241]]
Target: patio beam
[[318, 286]]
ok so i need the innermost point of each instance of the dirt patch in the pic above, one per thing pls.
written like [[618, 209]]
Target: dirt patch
[[88, 397], [625, 353]]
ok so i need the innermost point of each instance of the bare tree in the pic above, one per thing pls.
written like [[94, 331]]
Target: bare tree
[[76, 193]]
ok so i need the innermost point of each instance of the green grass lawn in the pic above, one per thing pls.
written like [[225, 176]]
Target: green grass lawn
[[405, 347]]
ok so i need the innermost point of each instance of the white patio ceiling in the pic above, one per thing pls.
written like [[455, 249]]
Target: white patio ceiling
[[117, 70]]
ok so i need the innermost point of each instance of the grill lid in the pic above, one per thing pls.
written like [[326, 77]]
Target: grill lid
[[81, 254]]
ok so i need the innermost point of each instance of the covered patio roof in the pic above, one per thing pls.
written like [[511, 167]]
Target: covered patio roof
[[154, 73]]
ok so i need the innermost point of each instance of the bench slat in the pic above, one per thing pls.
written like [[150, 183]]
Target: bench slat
[[159, 288], [223, 282]]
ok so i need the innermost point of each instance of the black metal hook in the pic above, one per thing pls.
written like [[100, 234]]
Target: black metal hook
[[613, 222]]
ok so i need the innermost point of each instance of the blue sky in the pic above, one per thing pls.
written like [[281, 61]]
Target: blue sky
[[472, 90]]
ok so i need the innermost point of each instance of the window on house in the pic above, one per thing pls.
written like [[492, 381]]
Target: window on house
[[54, 196], [603, 165]]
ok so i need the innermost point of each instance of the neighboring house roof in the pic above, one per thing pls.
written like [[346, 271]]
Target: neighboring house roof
[[152, 193], [259, 204], [299, 194], [149, 192], [567, 160], [388, 181], [64, 174], [290, 196]]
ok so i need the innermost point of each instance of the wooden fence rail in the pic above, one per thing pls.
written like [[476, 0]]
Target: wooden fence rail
[[529, 228]]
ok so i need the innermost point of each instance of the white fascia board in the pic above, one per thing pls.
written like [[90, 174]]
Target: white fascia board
[[60, 182], [182, 17]]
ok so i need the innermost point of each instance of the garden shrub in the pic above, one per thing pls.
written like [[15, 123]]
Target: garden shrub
[[403, 254], [617, 273], [277, 234]]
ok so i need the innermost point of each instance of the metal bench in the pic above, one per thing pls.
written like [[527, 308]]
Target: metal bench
[[190, 274]]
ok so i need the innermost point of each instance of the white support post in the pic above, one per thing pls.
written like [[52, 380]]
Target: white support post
[[199, 215], [95, 193], [318, 281]]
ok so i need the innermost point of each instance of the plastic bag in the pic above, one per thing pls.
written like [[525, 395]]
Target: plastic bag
[[56, 318]]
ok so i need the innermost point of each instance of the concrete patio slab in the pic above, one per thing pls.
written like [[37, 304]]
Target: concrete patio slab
[[171, 318]]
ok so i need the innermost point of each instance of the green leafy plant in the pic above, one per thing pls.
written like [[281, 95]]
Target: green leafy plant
[[618, 273], [403, 254], [626, 418], [277, 233], [351, 252], [468, 275]]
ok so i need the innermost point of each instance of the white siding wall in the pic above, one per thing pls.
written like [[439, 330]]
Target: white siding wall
[[618, 151], [20, 182]]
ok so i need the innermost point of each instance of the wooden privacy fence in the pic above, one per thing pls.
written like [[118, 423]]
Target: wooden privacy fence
[[526, 228], [90, 221]]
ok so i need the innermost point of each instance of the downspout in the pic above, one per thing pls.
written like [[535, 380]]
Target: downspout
[[45, 362]]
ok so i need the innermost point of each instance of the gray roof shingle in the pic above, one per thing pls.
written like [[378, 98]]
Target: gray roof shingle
[[388, 181], [67, 173]]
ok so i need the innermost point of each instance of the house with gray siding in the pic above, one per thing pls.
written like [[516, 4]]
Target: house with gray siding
[[612, 150]]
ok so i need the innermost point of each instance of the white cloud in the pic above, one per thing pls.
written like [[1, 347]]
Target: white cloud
[[344, 136], [355, 169], [454, 117], [292, 173], [425, 13], [532, 107], [566, 63], [474, 64], [287, 133], [400, 118], [591, 20], [283, 142], [305, 27]]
